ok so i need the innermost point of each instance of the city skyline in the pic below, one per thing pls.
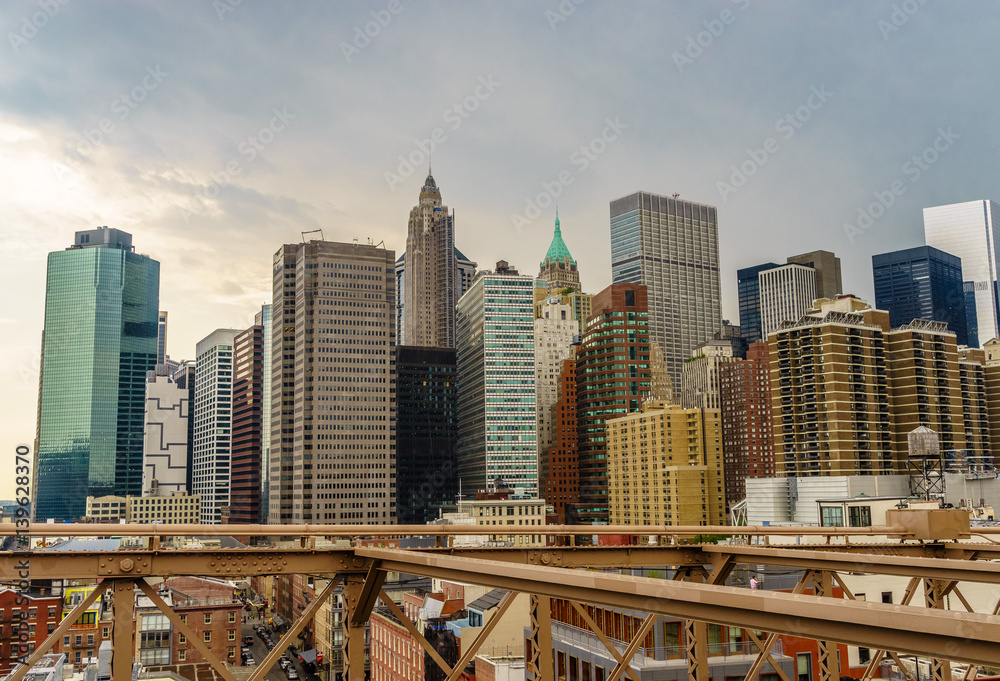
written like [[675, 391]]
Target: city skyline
[[212, 169]]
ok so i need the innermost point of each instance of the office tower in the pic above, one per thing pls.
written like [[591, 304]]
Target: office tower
[[786, 292], [923, 283], [263, 319], [98, 342], [747, 428], [830, 393], [829, 283], [496, 382], [211, 469], [184, 377], [558, 269], [245, 502], [165, 440], [969, 232], [333, 382], [559, 466], [465, 272], [991, 381], [748, 284], [161, 338], [430, 292], [671, 246], [665, 467], [612, 379], [700, 377], [426, 465], [556, 337]]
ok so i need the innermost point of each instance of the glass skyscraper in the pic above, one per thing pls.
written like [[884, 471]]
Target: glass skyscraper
[[99, 340], [924, 283], [748, 283], [969, 231], [671, 246], [495, 334]]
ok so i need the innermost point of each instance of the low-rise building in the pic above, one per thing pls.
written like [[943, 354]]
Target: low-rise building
[[503, 508], [179, 508]]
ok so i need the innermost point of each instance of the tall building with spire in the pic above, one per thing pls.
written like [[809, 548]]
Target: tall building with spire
[[430, 293], [559, 268]]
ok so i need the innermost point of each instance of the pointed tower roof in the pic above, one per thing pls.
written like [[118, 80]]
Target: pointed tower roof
[[557, 249]]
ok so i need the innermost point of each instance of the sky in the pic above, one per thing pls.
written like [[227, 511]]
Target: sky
[[215, 131]]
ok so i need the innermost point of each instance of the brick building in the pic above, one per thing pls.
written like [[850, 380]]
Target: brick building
[[560, 474], [41, 613]]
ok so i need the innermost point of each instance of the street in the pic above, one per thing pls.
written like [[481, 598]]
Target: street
[[260, 651]]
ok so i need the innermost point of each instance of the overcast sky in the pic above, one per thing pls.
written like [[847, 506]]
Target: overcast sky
[[216, 131]]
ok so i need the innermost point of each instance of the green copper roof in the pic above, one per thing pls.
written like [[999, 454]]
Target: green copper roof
[[557, 249]]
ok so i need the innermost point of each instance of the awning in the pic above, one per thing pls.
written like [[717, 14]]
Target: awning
[[310, 655]]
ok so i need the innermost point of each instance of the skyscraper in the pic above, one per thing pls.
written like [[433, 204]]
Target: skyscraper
[[98, 342], [969, 232], [923, 283], [211, 464], [165, 443], [558, 268], [496, 382], [426, 464], [829, 283], [245, 502], [430, 292], [671, 246], [749, 299], [786, 293], [465, 272], [747, 428], [556, 336], [333, 382], [161, 338], [700, 377], [612, 380]]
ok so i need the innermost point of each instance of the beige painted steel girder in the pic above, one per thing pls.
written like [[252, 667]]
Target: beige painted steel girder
[[920, 631]]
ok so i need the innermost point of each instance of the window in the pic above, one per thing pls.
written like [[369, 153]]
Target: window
[[831, 516], [860, 516], [864, 655], [181, 638], [66, 641], [232, 634], [182, 655], [803, 667], [232, 651], [208, 636], [79, 639], [184, 619], [208, 618], [887, 597]]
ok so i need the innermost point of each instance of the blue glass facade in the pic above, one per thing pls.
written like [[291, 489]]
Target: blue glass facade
[[749, 297], [99, 340], [924, 283]]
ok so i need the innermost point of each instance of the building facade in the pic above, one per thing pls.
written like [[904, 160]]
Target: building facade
[[747, 427], [496, 382], [829, 283], [665, 467], [672, 247], [98, 342], [558, 268], [612, 379], [426, 431], [165, 439], [786, 292], [556, 337], [748, 293], [501, 509], [431, 289], [923, 283], [211, 465], [560, 463], [245, 503], [333, 382], [465, 273], [175, 508], [969, 231], [700, 378]]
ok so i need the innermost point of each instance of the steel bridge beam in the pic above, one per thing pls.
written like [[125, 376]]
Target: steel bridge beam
[[921, 631]]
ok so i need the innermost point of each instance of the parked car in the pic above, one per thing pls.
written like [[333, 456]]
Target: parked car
[[291, 673]]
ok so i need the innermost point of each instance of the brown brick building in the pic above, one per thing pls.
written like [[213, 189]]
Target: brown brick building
[[560, 474], [39, 613], [248, 392]]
